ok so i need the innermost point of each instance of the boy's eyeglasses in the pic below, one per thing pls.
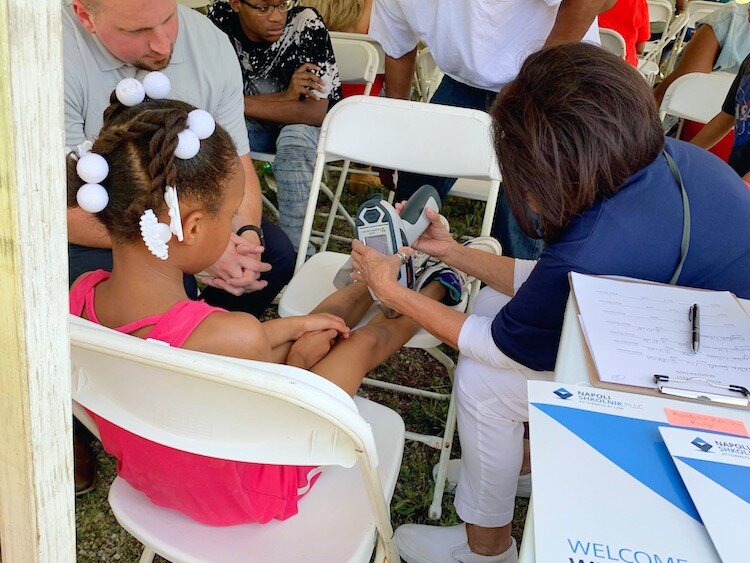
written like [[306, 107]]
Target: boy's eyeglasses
[[267, 9]]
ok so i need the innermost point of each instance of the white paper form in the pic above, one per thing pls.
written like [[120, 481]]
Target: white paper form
[[636, 330]]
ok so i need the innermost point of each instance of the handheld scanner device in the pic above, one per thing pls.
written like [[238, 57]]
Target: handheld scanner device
[[379, 226]]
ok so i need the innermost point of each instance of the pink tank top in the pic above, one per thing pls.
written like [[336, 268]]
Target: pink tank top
[[213, 491]]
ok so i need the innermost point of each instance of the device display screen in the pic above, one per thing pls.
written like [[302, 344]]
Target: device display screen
[[379, 243]]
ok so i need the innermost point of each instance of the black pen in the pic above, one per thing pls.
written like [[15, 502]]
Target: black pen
[[695, 316]]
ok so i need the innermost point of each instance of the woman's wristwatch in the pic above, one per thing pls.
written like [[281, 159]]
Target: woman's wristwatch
[[257, 230]]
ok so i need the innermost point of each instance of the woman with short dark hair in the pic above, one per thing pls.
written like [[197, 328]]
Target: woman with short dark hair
[[585, 167]]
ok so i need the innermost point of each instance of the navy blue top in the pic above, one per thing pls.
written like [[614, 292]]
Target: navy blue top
[[636, 233]]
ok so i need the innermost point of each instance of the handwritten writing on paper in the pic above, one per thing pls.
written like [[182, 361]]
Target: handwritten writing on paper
[[636, 330], [706, 422]]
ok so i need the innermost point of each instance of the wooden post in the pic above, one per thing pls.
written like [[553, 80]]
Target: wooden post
[[36, 477]]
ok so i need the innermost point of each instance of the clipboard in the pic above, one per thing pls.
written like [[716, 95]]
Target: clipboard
[[664, 391]]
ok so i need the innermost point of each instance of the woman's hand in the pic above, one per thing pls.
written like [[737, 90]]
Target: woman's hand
[[311, 348], [436, 240], [378, 271], [321, 322]]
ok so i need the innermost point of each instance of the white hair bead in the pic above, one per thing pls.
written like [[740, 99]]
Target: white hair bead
[[162, 232], [157, 85], [202, 123], [92, 168], [188, 145], [92, 197], [130, 92]]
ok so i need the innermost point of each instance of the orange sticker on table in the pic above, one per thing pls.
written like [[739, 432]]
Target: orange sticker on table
[[706, 422]]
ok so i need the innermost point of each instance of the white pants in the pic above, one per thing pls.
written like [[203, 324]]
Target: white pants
[[492, 405]]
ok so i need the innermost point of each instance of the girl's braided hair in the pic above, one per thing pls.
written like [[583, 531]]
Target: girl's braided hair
[[138, 143]]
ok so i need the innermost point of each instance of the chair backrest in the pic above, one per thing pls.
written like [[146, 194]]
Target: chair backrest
[[696, 96], [357, 61], [613, 42], [366, 39], [674, 32], [409, 136], [216, 406], [660, 11], [699, 9]]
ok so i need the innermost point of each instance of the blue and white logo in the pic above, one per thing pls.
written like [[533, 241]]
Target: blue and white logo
[[701, 444], [563, 393]]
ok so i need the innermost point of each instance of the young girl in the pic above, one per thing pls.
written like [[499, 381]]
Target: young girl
[[167, 200]]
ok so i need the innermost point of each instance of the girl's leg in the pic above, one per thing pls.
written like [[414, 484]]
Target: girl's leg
[[366, 348], [350, 303]]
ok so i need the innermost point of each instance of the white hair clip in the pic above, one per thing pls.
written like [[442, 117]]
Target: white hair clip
[[173, 204], [92, 168], [156, 235]]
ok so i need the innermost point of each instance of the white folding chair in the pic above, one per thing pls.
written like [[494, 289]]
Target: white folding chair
[[366, 39], [357, 61], [699, 9], [613, 42], [251, 412], [678, 30], [653, 58], [427, 74], [441, 140], [696, 96], [660, 11]]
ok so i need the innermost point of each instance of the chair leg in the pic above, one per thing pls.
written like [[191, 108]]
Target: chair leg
[[443, 358], [386, 553], [271, 207], [436, 508], [147, 556]]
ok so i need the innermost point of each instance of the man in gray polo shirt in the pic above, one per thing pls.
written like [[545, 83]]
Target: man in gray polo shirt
[[105, 41]]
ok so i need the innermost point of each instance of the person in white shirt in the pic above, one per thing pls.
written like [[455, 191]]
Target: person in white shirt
[[480, 45]]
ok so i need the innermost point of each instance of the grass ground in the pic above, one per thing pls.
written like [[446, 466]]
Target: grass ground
[[100, 538]]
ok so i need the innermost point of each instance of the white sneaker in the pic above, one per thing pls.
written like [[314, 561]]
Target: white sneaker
[[485, 244], [418, 543], [453, 471]]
